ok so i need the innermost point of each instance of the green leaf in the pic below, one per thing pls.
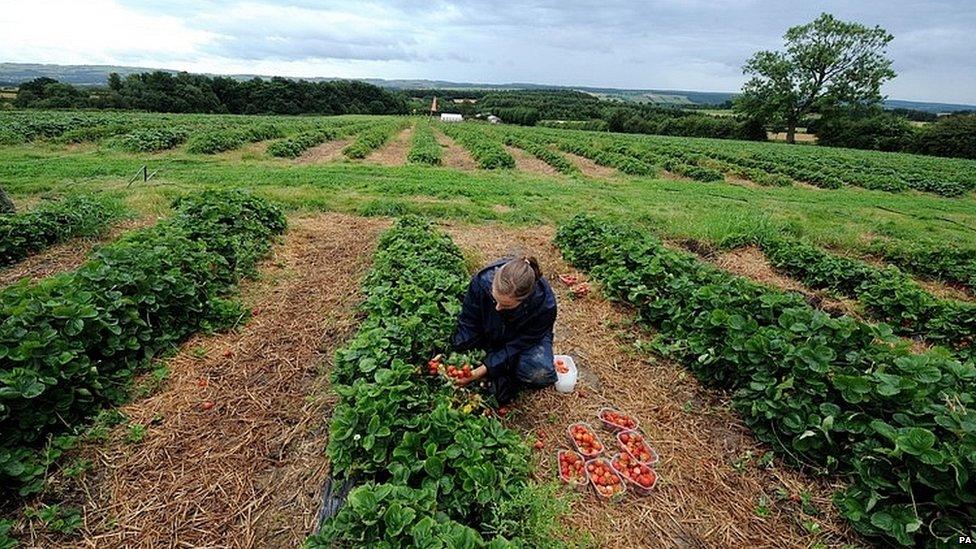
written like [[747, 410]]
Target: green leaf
[[914, 440]]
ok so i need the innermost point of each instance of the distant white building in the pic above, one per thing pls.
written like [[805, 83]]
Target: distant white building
[[451, 117], [494, 119]]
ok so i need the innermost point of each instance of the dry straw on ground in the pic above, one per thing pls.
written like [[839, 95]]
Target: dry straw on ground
[[247, 471], [714, 492]]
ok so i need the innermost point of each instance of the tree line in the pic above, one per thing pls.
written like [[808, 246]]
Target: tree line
[[160, 91]]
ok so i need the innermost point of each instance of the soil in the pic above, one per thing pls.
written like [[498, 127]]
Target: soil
[[247, 471], [525, 162], [394, 152], [329, 151], [712, 483], [454, 155], [66, 256]]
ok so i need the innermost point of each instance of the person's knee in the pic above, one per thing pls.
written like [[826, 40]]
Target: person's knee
[[536, 369]]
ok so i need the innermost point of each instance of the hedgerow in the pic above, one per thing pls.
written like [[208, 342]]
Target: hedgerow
[[542, 152], [50, 222], [886, 294], [829, 393], [424, 148], [432, 473], [228, 139], [70, 344], [486, 150]]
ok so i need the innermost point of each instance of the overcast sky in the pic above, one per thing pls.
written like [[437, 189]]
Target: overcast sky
[[663, 44]]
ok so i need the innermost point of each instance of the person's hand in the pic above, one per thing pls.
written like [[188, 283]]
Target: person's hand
[[476, 374]]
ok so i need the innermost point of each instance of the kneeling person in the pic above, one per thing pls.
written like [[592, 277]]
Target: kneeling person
[[509, 312]]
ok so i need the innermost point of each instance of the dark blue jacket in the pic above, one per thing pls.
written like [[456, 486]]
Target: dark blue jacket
[[503, 334]]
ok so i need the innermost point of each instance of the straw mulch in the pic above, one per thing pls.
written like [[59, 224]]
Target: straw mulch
[[329, 151], [394, 152], [525, 162], [66, 256], [714, 491], [247, 471], [455, 156]]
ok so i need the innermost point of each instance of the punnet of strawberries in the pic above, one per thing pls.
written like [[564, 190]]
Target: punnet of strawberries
[[571, 467], [633, 443], [604, 478], [619, 419], [634, 471], [585, 439]]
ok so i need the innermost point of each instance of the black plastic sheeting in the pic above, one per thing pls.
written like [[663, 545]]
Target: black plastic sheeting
[[333, 498]]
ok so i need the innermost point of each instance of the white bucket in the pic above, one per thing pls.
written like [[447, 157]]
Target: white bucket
[[566, 382]]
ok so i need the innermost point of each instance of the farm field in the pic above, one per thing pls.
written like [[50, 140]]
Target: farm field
[[791, 326]]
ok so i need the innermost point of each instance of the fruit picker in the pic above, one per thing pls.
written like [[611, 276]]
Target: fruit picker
[[509, 312]]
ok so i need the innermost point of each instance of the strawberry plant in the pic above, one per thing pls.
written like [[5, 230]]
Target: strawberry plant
[[930, 260], [407, 431], [833, 394], [486, 150], [71, 344], [886, 294], [372, 138], [424, 148], [50, 222], [215, 141], [543, 153]]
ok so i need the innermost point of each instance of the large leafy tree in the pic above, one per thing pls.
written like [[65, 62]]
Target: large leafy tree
[[826, 64]]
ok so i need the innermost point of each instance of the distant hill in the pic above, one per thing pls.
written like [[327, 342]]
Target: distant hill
[[12, 74]]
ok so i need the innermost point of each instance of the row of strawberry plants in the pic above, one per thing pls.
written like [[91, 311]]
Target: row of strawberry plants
[[372, 138], [886, 294], [833, 394], [934, 261], [487, 151], [611, 159], [294, 146], [211, 142], [50, 222], [147, 139], [543, 153], [676, 161], [424, 148], [430, 473], [71, 344]]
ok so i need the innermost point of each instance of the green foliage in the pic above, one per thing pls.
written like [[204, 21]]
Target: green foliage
[[542, 152], [293, 147], [589, 125], [372, 138], [147, 139], [6, 542], [880, 132], [886, 294], [931, 260], [949, 136], [390, 515], [71, 344], [228, 139], [64, 520], [607, 157], [424, 148], [55, 221], [487, 151], [159, 91], [441, 469], [829, 393], [826, 63]]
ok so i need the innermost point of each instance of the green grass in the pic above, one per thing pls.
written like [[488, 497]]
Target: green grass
[[843, 218]]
